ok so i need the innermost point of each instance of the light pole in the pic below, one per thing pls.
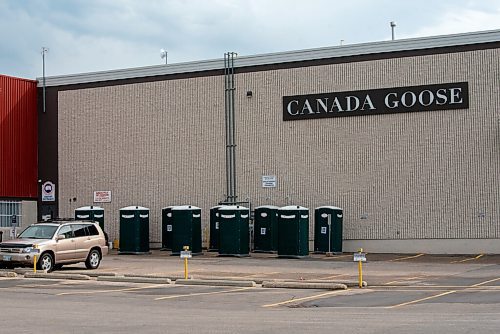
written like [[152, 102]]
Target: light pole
[[164, 54], [44, 51], [393, 25]]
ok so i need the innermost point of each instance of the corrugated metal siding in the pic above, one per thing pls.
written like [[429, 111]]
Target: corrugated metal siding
[[398, 176], [18, 138]]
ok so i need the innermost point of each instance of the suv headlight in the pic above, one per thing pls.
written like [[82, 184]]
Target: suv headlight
[[30, 250]]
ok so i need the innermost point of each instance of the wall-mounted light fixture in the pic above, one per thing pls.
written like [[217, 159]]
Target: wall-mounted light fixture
[[249, 93]]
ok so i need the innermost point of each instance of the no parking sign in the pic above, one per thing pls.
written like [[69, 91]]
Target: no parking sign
[[48, 192]]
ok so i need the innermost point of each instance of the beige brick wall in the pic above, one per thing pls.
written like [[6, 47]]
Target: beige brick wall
[[427, 175]]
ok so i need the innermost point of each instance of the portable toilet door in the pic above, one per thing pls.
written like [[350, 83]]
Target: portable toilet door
[[328, 229], [293, 236], [186, 230], [234, 231], [166, 228], [134, 230], [94, 213], [266, 228], [213, 244]]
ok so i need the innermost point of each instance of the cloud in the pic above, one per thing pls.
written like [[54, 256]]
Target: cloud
[[461, 21], [93, 35]]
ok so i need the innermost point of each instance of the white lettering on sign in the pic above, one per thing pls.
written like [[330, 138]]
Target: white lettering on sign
[[102, 196], [377, 101]]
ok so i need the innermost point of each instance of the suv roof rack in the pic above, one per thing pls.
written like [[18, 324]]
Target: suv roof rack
[[64, 220]]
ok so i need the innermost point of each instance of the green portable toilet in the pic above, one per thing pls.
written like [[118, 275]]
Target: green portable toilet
[[325, 233], [265, 232], [166, 228], [186, 229], [293, 236], [94, 213], [134, 230], [213, 244], [234, 231]]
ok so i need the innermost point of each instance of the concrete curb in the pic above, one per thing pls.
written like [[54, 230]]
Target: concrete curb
[[231, 278], [22, 271], [131, 279], [215, 282], [7, 274], [57, 276], [349, 284], [170, 277], [94, 274], [303, 285]]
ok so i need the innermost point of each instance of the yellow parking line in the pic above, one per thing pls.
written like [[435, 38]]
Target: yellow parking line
[[202, 293], [335, 257], [469, 259], [333, 276], [261, 274], [407, 257], [404, 280], [321, 295], [422, 299], [90, 292], [485, 282]]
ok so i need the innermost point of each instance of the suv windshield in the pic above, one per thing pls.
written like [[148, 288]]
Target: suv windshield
[[39, 232]]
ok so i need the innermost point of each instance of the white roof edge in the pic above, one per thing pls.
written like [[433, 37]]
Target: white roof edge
[[134, 207], [280, 57], [234, 207], [293, 207], [86, 208], [267, 207], [169, 207], [185, 207], [329, 207]]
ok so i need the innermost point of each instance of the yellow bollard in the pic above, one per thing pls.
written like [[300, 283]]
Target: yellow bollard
[[186, 248], [360, 270], [34, 259]]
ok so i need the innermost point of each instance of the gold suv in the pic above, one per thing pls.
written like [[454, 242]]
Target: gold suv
[[56, 243]]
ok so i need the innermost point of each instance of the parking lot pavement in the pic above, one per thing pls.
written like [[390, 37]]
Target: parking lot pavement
[[92, 306], [381, 269], [409, 293]]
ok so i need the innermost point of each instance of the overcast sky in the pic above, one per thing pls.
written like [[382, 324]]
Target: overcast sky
[[93, 35]]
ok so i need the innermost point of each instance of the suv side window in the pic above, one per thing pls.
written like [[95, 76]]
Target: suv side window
[[92, 229], [66, 231], [80, 230]]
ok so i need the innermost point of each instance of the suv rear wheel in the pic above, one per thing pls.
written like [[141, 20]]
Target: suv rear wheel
[[93, 260], [46, 262]]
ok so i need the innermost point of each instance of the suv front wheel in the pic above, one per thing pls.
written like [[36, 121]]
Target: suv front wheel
[[46, 262], [93, 260]]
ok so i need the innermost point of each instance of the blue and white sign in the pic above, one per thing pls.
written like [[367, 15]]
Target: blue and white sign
[[48, 192]]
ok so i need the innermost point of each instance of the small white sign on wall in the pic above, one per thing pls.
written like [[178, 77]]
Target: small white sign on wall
[[263, 231], [102, 196], [323, 230], [269, 181]]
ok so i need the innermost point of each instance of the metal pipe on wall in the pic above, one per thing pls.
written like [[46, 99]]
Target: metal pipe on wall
[[229, 89]]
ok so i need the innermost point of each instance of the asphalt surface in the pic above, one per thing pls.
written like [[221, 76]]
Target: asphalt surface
[[405, 294]]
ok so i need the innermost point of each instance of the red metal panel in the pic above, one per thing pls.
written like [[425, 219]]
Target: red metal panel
[[18, 138]]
